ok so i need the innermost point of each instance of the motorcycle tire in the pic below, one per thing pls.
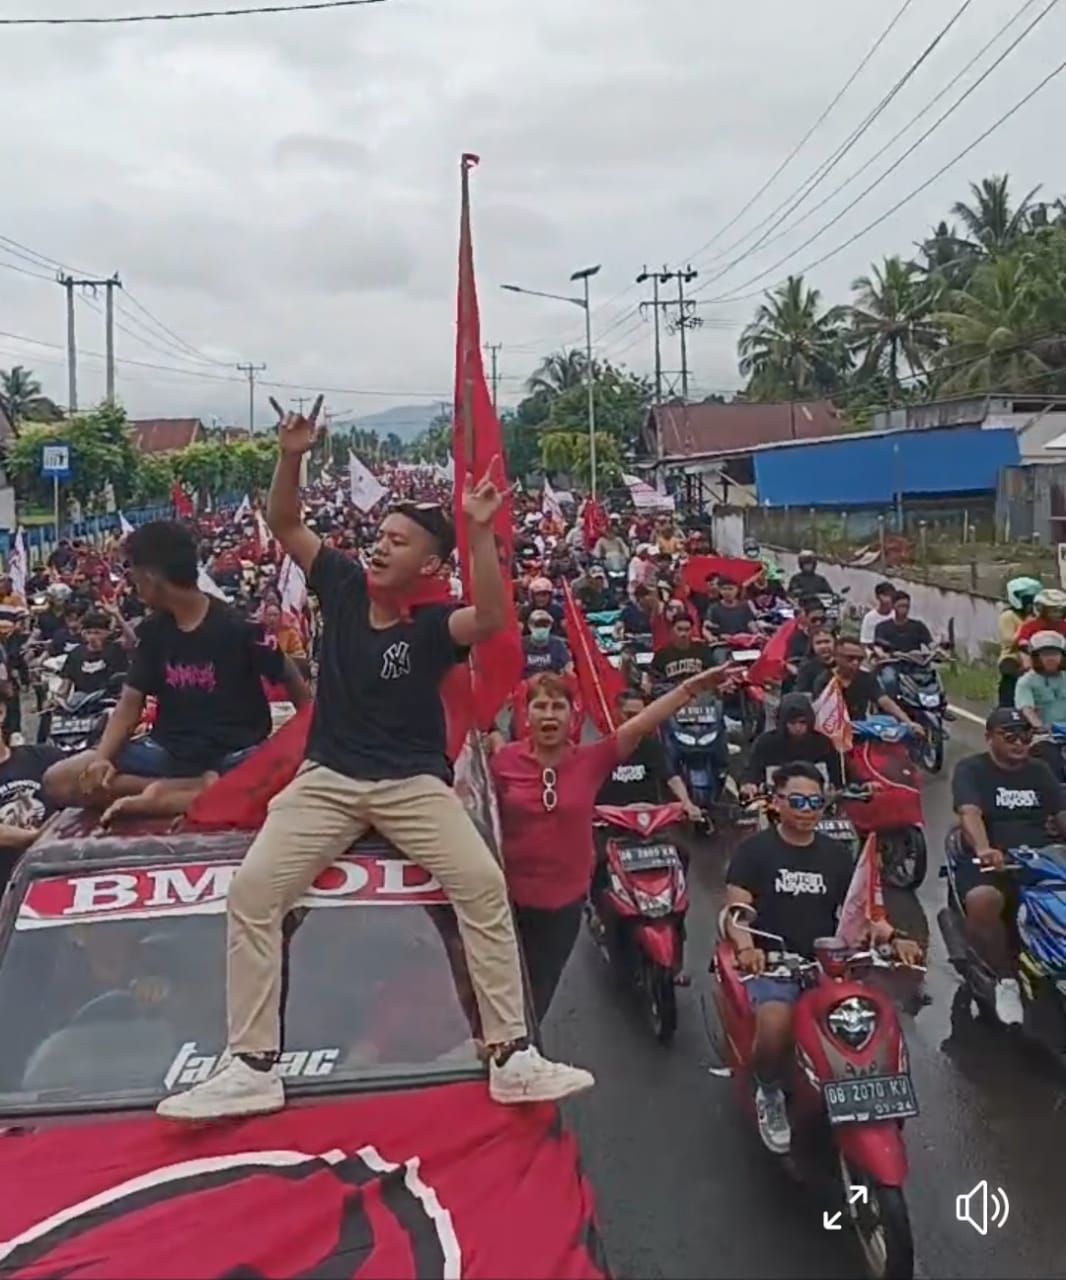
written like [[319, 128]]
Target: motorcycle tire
[[904, 858], [660, 1000], [931, 751], [883, 1229]]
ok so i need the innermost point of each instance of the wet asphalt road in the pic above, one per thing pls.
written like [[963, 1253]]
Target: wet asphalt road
[[686, 1189]]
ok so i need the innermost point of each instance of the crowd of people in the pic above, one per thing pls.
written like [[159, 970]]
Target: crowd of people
[[200, 624]]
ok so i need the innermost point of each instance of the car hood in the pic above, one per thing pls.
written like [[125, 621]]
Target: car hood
[[437, 1182]]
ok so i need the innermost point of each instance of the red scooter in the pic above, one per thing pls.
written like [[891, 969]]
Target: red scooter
[[849, 1089], [638, 902]]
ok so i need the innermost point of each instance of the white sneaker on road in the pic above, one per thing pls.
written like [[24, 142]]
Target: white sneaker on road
[[527, 1076], [1009, 1008], [772, 1115], [234, 1089]]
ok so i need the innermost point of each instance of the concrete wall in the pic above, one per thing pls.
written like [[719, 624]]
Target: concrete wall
[[975, 618], [728, 535]]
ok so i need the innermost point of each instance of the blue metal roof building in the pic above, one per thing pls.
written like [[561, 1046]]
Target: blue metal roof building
[[873, 469]]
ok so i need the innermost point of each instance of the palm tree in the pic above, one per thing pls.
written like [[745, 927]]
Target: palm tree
[[558, 372], [948, 258], [21, 398], [994, 336], [992, 225], [891, 321], [793, 348]]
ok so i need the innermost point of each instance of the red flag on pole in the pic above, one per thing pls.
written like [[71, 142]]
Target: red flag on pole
[[184, 508], [697, 569], [476, 441], [769, 666], [864, 902], [601, 684]]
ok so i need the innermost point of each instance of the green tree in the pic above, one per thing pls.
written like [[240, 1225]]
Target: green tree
[[154, 480], [101, 452], [569, 452], [559, 372], [892, 321], [22, 399], [992, 225], [793, 349]]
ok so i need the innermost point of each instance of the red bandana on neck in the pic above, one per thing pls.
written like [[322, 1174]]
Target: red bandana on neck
[[424, 591]]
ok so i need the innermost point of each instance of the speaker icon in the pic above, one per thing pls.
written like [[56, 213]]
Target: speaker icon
[[982, 1207]]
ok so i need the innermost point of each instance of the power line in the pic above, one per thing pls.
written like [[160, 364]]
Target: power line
[[961, 155], [808, 135], [804, 217], [115, 19], [827, 166]]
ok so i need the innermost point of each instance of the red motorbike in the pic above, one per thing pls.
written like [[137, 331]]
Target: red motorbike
[[638, 902], [849, 1089]]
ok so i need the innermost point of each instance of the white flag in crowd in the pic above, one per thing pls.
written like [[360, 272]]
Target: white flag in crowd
[[645, 498], [262, 533], [292, 586], [17, 565], [549, 502], [243, 511], [209, 586], [367, 489], [124, 526]]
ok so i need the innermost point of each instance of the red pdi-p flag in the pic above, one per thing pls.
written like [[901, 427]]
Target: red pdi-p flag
[[697, 569], [769, 666], [476, 441], [601, 684], [439, 1183]]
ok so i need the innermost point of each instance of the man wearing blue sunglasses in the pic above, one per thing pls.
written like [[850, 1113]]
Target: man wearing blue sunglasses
[[797, 880]]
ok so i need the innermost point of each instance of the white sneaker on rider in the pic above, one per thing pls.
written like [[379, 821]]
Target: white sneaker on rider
[[527, 1076], [1009, 1008], [772, 1115], [233, 1089]]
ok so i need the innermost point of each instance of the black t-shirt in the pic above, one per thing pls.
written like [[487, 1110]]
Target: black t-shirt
[[48, 623], [730, 619], [798, 890], [773, 749], [1015, 803], [132, 607], [64, 641], [640, 779], [799, 645], [635, 620], [22, 801], [208, 683], [89, 671], [809, 584], [902, 637], [673, 665], [860, 696], [812, 676], [378, 710]]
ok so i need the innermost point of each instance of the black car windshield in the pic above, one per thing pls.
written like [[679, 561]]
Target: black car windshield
[[112, 984]]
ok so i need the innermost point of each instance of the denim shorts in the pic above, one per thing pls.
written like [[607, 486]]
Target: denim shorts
[[763, 990], [148, 758]]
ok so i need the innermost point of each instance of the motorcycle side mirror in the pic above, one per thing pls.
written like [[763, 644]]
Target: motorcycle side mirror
[[738, 913]]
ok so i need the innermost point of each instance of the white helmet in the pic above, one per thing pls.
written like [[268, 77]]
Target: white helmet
[[1051, 598], [1044, 640], [59, 592]]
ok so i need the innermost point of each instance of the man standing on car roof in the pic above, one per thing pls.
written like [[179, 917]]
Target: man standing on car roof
[[376, 758]]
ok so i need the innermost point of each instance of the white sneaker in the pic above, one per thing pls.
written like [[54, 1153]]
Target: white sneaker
[[1009, 1008], [772, 1115], [234, 1089], [527, 1076]]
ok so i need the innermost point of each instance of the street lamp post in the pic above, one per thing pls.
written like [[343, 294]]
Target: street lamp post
[[584, 275]]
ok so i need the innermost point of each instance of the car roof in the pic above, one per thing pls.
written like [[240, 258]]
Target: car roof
[[74, 836]]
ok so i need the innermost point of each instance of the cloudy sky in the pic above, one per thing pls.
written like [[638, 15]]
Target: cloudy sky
[[284, 189]]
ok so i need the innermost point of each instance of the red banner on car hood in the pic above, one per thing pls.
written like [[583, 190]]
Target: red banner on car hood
[[439, 1183]]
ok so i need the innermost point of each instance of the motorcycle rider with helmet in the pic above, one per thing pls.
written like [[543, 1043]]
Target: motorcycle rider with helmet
[[1004, 799], [1021, 595], [1040, 694], [541, 600], [1049, 614], [797, 880], [806, 581]]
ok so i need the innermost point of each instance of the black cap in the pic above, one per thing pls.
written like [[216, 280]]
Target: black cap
[[1007, 718]]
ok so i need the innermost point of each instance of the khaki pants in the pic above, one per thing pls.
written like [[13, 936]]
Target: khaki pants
[[309, 825]]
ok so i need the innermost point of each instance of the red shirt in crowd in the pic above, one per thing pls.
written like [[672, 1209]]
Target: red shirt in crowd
[[548, 857], [1031, 626]]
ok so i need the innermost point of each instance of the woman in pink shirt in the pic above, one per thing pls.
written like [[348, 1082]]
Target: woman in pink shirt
[[547, 788]]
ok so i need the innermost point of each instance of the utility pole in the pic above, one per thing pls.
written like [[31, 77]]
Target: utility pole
[[493, 349], [301, 401], [686, 318], [251, 370], [657, 306], [70, 284]]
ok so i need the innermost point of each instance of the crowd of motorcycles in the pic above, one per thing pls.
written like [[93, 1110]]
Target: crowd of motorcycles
[[851, 1089]]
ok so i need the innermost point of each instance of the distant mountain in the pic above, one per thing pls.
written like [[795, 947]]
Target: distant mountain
[[406, 420]]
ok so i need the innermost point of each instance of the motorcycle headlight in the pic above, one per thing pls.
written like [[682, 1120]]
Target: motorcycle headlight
[[686, 739], [853, 1021], [707, 738]]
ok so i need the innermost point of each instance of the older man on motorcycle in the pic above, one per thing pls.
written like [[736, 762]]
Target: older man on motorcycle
[[1005, 799], [797, 880]]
